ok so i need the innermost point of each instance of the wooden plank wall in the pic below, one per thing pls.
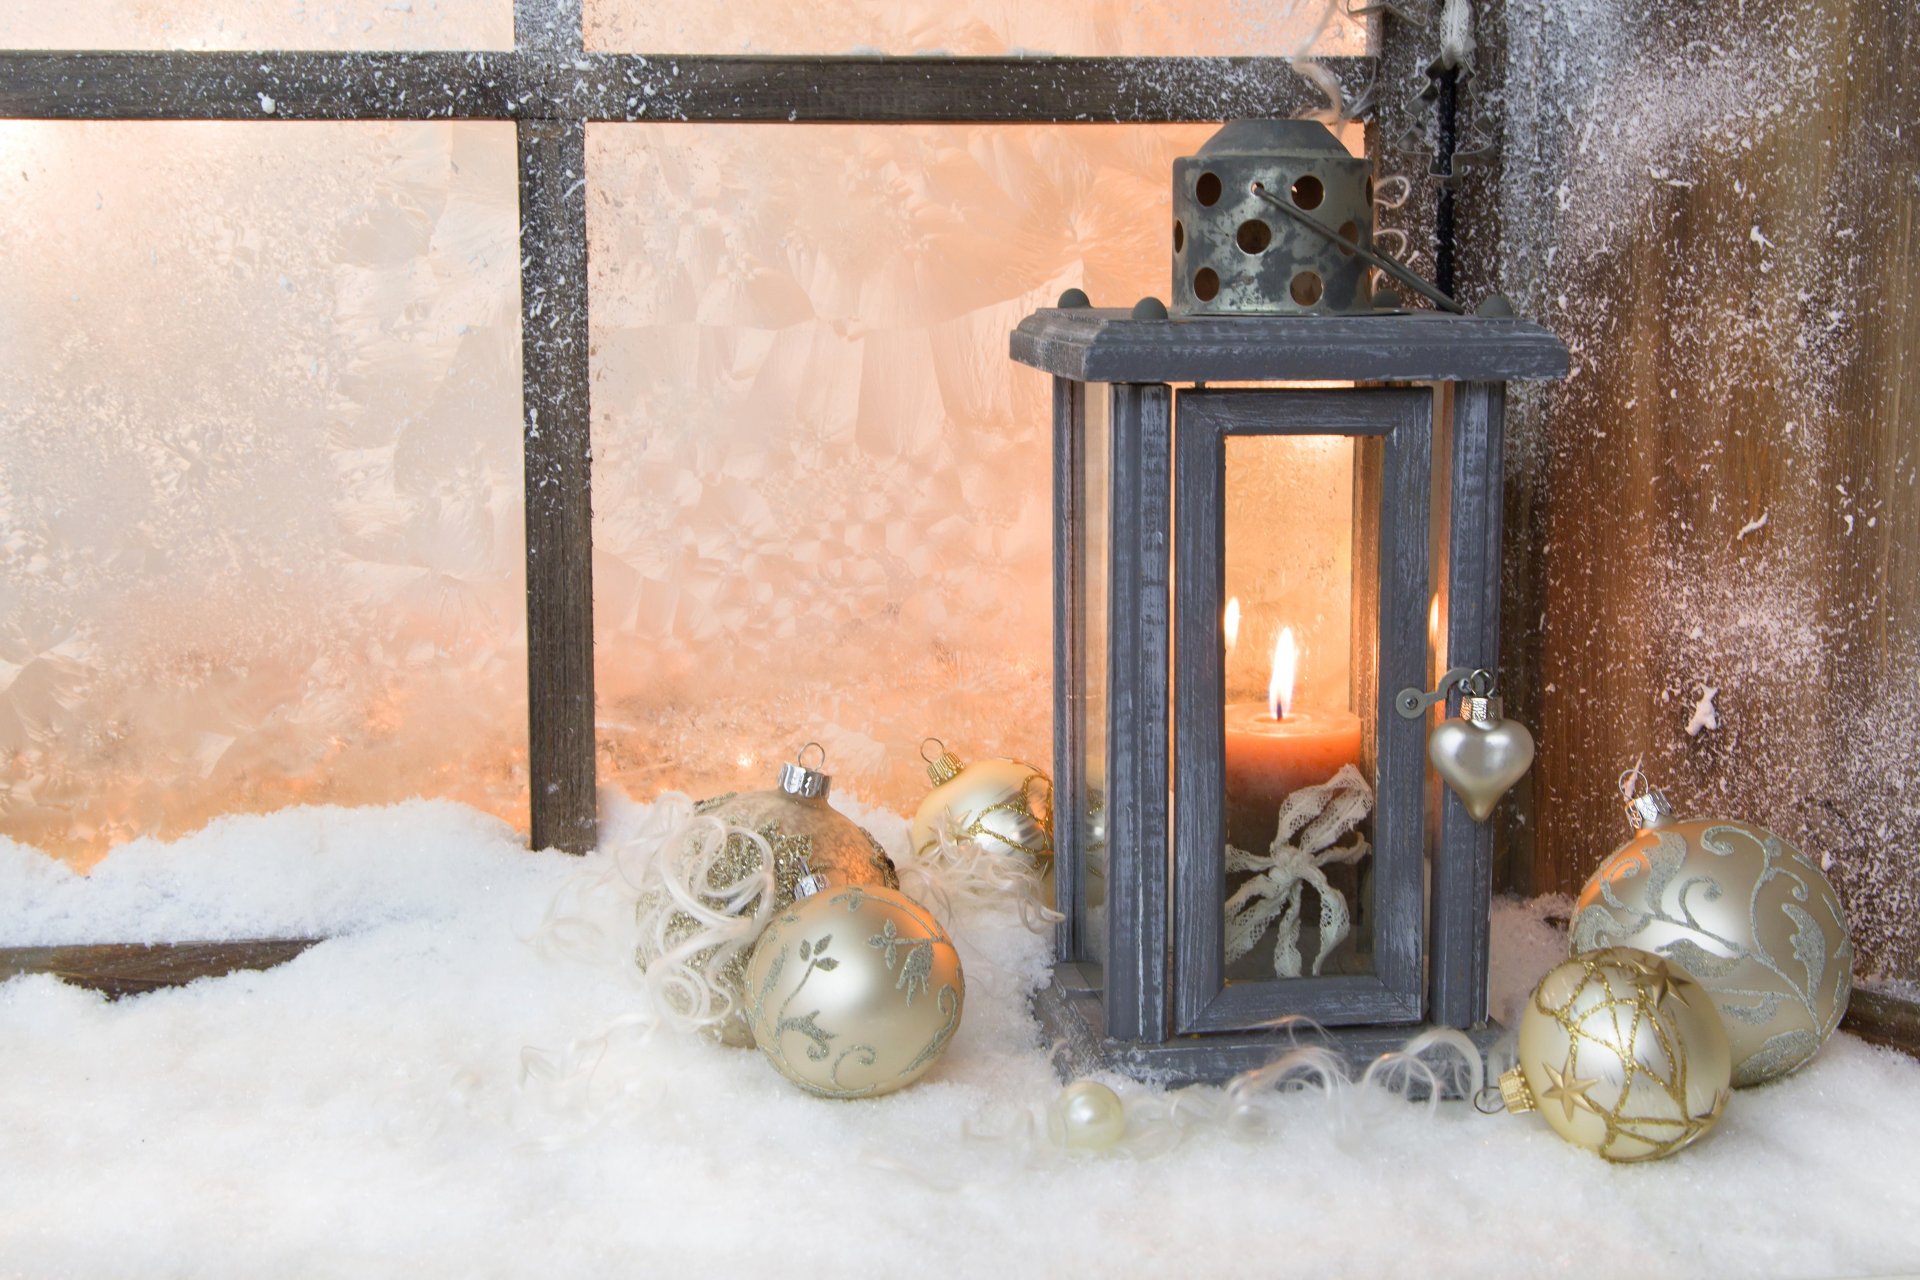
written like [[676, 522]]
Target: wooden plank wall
[[1715, 206]]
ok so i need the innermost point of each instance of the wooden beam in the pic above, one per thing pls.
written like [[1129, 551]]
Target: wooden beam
[[544, 82], [263, 86], [130, 968], [558, 450], [1883, 1019]]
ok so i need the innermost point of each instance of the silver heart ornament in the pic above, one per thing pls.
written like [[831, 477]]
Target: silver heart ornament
[[1480, 760]]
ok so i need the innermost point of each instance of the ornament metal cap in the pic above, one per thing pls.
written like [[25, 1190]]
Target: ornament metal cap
[[1648, 808], [796, 779], [1514, 1091], [1482, 712], [809, 883], [943, 768]]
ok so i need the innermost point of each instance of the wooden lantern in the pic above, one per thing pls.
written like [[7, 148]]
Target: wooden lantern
[[1175, 500]]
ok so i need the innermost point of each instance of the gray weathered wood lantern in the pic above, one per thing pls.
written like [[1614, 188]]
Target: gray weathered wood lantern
[[1245, 579]]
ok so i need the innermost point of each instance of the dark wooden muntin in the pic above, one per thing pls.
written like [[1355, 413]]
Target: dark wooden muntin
[[553, 82], [1141, 989]]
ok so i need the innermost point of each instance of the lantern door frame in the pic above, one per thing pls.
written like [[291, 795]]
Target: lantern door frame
[[1392, 598]]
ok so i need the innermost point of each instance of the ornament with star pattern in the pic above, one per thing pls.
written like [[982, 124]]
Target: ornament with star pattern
[[1623, 1054]]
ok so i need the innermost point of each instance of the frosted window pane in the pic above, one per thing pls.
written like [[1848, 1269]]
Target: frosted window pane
[[822, 490], [974, 27], [256, 24], [260, 516]]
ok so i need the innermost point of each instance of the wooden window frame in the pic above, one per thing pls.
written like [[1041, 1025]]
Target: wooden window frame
[[551, 88]]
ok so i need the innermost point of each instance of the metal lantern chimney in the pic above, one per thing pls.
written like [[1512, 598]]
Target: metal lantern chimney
[[1234, 253], [1233, 848]]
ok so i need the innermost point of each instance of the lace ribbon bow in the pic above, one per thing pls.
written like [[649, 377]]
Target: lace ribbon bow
[[1311, 820]]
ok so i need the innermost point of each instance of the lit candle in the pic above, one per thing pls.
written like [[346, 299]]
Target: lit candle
[[1273, 750]]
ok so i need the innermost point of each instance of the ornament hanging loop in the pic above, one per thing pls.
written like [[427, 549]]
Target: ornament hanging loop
[[1645, 803], [942, 768], [797, 778], [810, 881]]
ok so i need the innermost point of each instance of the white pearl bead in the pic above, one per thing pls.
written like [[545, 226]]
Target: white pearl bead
[[1087, 1116]]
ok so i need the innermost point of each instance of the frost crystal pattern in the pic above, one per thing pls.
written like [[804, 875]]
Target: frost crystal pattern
[[822, 489], [260, 488], [973, 27], [257, 24]]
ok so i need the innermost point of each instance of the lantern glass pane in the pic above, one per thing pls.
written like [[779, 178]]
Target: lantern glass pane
[[972, 28], [1299, 776], [822, 492], [1095, 535], [251, 24], [260, 473]]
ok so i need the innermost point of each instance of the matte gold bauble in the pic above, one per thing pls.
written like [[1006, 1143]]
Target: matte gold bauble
[[1002, 805], [1622, 1054], [1740, 910], [854, 991], [801, 832]]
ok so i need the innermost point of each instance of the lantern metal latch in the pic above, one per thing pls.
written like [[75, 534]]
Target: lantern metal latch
[[1413, 703]]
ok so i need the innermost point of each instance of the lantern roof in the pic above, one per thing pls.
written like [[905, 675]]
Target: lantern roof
[[1264, 137], [1097, 344]]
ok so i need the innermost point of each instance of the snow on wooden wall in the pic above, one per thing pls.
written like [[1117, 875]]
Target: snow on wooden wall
[[1713, 530]]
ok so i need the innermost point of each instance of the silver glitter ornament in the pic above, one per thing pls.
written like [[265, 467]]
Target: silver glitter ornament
[[800, 831], [1740, 910], [854, 991]]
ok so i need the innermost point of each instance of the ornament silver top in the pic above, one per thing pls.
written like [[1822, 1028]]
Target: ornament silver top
[[796, 779], [1645, 808], [810, 883], [1482, 712]]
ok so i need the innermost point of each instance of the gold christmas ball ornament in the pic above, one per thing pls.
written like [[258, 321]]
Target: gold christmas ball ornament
[[1087, 1116], [1623, 1054], [1741, 911], [702, 901], [1003, 805], [853, 990]]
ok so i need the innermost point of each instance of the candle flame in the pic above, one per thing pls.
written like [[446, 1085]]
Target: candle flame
[[1230, 623], [1286, 659]]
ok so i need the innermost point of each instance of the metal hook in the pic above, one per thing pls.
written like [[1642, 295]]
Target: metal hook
[[801, 758], [1401, 274], [1480, 1100], [1634, 782], [1412, 703], [923, 749]]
